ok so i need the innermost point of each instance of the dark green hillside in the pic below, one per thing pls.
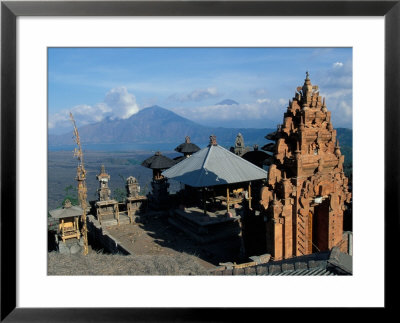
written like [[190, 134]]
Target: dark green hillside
[[345, 137]]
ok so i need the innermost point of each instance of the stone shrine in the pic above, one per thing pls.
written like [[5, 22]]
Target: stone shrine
[[134, 202], [240, 149], [303, 199], [103, 192], [132, 187], [105, 206]]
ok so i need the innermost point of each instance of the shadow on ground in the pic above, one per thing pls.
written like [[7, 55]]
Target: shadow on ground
[[168, 236]]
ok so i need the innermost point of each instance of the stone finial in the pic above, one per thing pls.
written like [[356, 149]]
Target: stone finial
[[324, 109], [307, 88], [239, 140], [103, 175], [274, 201], [67, 204], [337, 149], [213, 140], [255, 147], [187, 139], [131, 180], [158, 153]]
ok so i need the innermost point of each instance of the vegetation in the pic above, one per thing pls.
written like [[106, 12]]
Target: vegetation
[[120, 195], [71, 193], [347, 151]]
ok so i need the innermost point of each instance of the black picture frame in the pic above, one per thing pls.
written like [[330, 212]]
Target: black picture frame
[[10, 10]]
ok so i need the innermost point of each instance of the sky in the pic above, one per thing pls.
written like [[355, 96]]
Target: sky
[[96, 83]]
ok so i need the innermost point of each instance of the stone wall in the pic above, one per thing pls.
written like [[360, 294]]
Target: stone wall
[[271, 268], [102, 237], [326, 263]]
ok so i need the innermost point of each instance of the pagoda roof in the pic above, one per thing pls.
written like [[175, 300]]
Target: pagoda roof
[[158, 161], [256, 156], [187, 148], [269, 147], [66, 212], [272, 136], [214, 165]]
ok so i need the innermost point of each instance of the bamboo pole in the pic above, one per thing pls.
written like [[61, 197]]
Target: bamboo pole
[[82, 189], [227, 198], [249, 195], [62, 230], [77, 227], [117, 212]]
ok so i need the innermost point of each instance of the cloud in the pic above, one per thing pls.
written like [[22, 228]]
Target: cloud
[[339, 76], [262, 109], [337, 65], [117, 104], [263, 100], [122, 103], [336, 85], [258, 92], [196, 95], [283, 101]]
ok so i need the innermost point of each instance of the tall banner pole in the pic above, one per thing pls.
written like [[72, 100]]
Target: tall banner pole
[[82, 189]]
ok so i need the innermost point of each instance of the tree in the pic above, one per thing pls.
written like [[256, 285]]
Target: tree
[[120, 195], [71, 194]]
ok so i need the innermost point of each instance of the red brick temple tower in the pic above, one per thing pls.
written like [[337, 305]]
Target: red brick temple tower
[[303, 200]]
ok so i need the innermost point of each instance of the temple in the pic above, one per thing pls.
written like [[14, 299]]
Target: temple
[[282, 206], [304, 198]]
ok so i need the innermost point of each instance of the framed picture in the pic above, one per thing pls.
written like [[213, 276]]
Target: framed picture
[[30, 28]]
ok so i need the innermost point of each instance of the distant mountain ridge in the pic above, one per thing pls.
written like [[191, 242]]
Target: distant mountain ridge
[[227, 102], [159, 125], [155, 125]]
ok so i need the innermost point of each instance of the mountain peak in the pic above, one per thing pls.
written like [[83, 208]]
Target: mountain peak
[[154, 107], [227, 102]]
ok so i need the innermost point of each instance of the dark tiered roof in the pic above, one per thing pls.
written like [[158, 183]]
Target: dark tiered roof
[[272, 136], [256, 157], [187, 147], [158, 161], [269, 147]]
